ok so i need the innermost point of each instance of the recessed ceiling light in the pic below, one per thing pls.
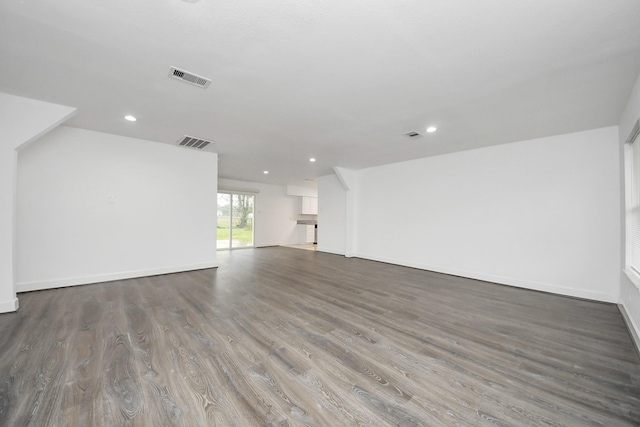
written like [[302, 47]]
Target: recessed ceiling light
[[431, 129], [312, 159], [266, 172], [130, 118]]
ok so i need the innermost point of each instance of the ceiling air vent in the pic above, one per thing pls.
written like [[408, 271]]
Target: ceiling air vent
[[412, 134], [189, 141], [188, 77]]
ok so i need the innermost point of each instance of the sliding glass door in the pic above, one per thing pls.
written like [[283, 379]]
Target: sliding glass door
[[235, 220]]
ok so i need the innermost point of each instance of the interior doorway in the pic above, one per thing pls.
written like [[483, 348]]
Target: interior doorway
[[235, 220]]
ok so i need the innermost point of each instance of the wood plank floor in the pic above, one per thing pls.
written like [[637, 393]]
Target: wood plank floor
[[283, 337]]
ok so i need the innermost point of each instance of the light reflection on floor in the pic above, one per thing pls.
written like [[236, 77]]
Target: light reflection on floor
[[306, 246], [224, 244]]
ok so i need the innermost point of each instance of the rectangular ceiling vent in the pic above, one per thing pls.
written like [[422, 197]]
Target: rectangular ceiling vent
[[412, 134], [189, 141], [188, 77]]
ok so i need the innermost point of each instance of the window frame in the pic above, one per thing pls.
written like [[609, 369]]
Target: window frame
[[632, 204]]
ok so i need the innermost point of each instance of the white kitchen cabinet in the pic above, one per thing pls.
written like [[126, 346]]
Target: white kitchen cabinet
[[309, 206]]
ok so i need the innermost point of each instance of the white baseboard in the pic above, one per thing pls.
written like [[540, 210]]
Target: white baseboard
[[502, 280], [9, 305], [268, 245], [634, 330], [75, 281], [330, 251]]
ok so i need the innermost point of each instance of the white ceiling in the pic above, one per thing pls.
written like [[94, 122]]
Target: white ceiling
[[339, 80]]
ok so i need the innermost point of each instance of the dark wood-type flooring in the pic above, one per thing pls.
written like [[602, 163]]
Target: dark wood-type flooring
[[286, 337]]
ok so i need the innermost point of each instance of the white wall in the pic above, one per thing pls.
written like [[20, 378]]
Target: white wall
[[332, 230], [629, 292], [163, 218], [22, 120], [309, 189], [542, 214], [275, 214]]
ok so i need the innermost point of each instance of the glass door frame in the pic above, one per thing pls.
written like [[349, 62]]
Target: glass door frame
[[231, 218]]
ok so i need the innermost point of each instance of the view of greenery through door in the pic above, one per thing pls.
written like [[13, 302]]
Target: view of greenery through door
[[235, 220]]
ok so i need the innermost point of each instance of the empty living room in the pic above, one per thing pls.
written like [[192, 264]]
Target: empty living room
[[464, 176]]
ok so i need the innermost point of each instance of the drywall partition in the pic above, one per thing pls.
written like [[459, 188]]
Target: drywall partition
[[332, 231], [349, 180], [629, 290], [95, 207], [541, 214], [22, 121], [275, 212]]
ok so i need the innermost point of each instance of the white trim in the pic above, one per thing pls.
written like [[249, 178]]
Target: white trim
[[330, 251], [9, 305], [629, 186], [635, 132], [234, 190], [502, 280], [268, 245], [633, 276], [75, 281], [634, 330], [628, 179]]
